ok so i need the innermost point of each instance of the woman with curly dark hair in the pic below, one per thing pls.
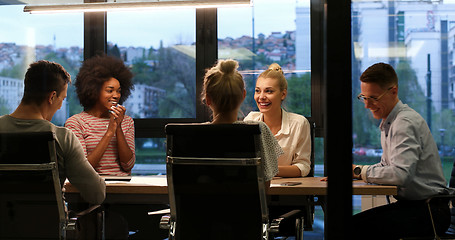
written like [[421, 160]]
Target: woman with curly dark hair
[[105, 132]]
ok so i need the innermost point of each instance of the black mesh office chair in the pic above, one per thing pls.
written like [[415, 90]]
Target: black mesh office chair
[[450, 198], [215, 181], [31, 201]]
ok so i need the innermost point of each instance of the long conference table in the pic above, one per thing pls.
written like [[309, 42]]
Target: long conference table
[[141, 194], [157, 185]]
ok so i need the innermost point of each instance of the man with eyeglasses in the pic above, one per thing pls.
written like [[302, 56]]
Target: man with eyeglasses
[[410, 160]]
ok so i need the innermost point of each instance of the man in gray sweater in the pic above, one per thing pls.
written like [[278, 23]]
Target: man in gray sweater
[[45, 88]]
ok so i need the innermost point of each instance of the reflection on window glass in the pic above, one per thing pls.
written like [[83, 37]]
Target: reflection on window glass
[[417, 38], [159, 47], [25, 38], [150, 156], [270, 33]]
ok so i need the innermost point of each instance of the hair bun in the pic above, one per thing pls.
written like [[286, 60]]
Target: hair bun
[[228, 66], [276, 67]]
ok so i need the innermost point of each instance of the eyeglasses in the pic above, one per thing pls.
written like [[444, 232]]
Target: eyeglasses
[[364, 98]]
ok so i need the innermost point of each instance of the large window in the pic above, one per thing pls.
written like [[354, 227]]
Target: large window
[[159, 46], [417, 38], [270, 33], [25, 38], [168, 52]]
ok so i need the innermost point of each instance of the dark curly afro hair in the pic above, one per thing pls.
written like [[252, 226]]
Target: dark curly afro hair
[[97, 70]]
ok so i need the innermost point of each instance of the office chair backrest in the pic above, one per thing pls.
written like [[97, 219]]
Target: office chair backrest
[[31, 202], [212, 140], [25, 148], [215, 181]]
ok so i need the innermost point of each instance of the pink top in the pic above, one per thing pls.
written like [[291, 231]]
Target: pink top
[[90, 129]]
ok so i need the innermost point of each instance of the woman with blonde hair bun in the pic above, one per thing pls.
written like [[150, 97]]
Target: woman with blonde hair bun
[[291, 130], [223, 92]]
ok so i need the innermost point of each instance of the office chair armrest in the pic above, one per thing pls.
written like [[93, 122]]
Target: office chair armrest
[[165, 222], [275, 224], [73, 216], [442, 196], [159, 212], [88, 210]]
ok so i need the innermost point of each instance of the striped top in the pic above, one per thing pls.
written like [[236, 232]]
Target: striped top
[[90, 129]]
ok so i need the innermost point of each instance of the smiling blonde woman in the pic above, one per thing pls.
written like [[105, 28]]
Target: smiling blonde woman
[[291, 130]]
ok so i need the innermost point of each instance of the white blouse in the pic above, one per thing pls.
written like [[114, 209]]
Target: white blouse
[[294, 138]]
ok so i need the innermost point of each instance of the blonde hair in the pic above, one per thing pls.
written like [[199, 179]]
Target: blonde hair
[[224, 85], [274, 71]]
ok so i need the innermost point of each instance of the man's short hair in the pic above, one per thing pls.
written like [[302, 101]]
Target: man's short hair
[[43, 77], [380, 73]]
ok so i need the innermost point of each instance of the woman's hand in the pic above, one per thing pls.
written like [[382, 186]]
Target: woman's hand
[[117, 114]]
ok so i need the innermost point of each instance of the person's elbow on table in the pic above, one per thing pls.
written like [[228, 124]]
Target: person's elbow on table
[[95, 195]]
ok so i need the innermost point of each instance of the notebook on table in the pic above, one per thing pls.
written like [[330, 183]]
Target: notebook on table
[[116, 178]]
